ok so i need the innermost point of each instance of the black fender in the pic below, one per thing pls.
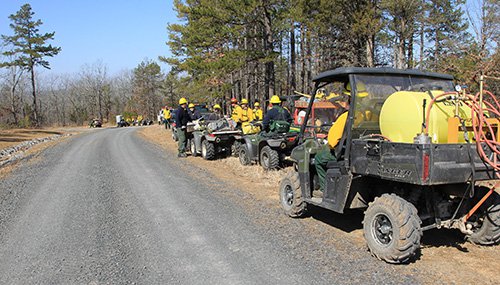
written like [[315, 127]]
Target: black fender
[[253, 149], [274, 143]]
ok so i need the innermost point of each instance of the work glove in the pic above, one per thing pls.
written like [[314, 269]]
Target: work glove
[[183, 127]]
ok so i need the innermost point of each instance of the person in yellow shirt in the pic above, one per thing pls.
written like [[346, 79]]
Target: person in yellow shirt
[[236, 111], [247, 114], [257, 112], [168, 117]]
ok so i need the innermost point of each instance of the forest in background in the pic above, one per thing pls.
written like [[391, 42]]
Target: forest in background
[[257, 48]]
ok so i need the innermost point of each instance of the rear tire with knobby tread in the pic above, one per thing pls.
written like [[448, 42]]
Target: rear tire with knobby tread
[[392, 230], [269, 158], [244, 155], [235, 148], [208, 150], [489, 232]]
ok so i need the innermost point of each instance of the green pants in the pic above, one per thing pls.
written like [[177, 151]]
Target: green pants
[[321, 159], [182, 135]]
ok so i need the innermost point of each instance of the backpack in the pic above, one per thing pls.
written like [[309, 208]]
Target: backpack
[[280, 125]]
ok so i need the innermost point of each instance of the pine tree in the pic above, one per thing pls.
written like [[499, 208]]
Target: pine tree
[[446, 31], [146, 81], [28, 48]]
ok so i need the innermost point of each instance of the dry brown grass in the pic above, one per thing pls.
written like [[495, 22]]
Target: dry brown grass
[[12, 137]]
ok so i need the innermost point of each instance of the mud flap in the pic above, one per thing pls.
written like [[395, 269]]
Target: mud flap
[[338, 184]]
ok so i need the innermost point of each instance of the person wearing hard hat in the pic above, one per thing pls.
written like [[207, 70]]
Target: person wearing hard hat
[[217, 111], [257, 112], [181, 119], [167, 115], [277, 119], [247, 114], [335, 134], [193, 113], [236, 111]]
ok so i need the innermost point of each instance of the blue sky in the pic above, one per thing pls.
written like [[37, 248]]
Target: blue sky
[[120, 33]]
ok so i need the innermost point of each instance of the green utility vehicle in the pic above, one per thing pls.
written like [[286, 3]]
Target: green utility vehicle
[[403, 159]]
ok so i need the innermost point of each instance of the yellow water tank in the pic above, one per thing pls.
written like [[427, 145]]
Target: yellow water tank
[[401, 117]]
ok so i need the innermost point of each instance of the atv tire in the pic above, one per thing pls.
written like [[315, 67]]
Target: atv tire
[[235, 148], [244, 156], [291, 195], [391, 227], [174, 135], [207, 150], [487, 231], [192, 147], [269, 158]]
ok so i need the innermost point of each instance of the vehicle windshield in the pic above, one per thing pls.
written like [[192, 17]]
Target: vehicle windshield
[[330, 102], [373, 90]]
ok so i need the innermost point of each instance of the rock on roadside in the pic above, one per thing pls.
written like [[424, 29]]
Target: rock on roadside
[[17, 152]]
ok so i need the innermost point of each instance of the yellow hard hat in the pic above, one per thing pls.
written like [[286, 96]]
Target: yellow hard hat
[[191, 105], [256, 104], [275, 100], [360, 88], [217, 106], [183, 101], [244, 101]]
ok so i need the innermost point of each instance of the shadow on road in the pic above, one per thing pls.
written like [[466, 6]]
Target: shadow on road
[[350, 221]]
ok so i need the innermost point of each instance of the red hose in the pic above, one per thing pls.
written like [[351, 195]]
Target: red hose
[[479, 115]]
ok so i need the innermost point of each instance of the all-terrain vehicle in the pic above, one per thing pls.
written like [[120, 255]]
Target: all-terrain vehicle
[[209, 145], [95, 123], [217, 138], [415, 153], [267, 149]]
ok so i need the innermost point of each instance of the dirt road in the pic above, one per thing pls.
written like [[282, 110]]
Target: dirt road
[[109, 207]]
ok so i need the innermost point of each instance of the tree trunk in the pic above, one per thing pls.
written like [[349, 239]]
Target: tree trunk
[[99, 102], [422, 42], [410, 61], [436, 49], [33, 87], [308, 78], [401, 54], [293, 84], [268, 48], [370, 51], [13, 97], [303, 57]]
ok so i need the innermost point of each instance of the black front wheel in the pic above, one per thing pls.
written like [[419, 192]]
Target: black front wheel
[[192, 147], [291, 195], [391, 227]]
